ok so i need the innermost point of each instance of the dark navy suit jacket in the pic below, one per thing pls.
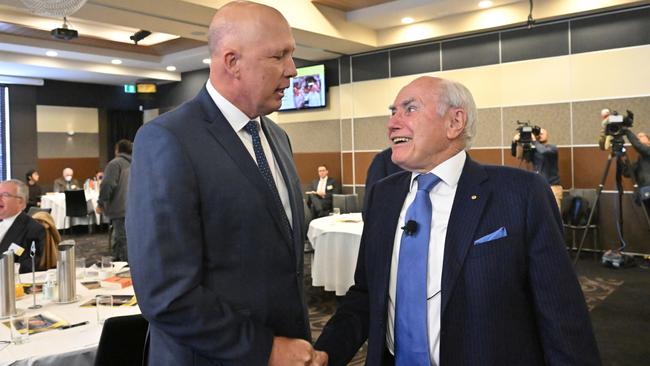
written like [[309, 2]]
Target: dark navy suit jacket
[[510, 301], [22, 232], [216, 272]]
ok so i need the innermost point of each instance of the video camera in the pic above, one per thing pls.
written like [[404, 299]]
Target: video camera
[[526, 132], [616, 123]]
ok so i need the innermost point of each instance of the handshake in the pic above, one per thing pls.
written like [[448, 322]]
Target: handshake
[[291, 351]]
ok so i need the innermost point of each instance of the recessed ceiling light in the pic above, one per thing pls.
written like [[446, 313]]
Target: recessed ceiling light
[[116, 62], [171, 68], [485, 4], [206, 61], [407, 20], [51, 53]]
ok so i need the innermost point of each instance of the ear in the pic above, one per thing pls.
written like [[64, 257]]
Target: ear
[[230, 59], [457, 121]]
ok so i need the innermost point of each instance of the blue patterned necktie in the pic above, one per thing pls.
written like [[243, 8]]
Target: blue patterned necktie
[[411, 336], [263, 165]]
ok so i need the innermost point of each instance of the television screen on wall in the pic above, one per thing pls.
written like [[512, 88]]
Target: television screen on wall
[[306, 90]]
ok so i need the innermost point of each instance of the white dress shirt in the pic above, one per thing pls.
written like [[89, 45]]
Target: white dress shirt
[[442, 199], [322, 186], [6, 224], [238, 120]]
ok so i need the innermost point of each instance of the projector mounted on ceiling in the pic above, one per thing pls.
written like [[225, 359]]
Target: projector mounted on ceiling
[[64, 33]]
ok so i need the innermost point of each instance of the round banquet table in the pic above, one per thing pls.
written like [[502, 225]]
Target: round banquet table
[[56, 202], [66, 347], [335, 240]]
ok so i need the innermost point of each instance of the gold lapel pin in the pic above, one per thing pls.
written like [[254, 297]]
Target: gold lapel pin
[[474, 197]]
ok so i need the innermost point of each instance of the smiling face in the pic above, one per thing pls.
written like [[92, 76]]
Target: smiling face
[[421, 138]]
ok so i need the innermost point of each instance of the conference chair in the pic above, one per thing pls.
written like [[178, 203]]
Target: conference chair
[[34, 209], [345, 202], [123, 341], [76, 206], [577, 208]]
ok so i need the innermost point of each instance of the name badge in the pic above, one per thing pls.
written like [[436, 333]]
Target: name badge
[[17, 249]]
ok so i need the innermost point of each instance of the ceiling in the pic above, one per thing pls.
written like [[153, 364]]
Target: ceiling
[[324, 29]]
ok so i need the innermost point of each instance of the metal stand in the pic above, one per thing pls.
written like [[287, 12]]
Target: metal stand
[[32, 253], [621, 158]]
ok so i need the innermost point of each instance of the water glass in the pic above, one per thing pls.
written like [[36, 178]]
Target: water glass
[[19, 326], [104, 304], [107, 267], [336, 211], [80, 266]]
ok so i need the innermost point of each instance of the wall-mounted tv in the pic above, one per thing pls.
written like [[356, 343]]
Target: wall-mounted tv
[[306, 90]]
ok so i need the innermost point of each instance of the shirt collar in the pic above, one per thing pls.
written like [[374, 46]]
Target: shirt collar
[[448, 171], [10, 220], [234, 115]]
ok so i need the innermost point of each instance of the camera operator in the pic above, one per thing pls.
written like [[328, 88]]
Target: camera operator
[[544, 160], [641, 168]]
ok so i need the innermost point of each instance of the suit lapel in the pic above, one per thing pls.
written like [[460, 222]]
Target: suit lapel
[[221, 130], [389, 210], [469, 202], [13, 233]]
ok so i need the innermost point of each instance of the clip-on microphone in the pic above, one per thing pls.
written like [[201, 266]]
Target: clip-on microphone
[[410, 228]]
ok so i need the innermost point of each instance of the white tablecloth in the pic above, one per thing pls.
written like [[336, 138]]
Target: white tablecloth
[[336, 241], [68, 347], [56, 201]]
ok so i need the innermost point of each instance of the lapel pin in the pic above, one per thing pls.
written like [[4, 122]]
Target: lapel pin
[[474, 197]]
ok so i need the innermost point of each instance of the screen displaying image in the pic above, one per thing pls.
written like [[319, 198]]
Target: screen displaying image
[[306, 90]]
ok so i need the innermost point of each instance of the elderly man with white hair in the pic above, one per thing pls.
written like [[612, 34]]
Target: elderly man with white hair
[[66, 182]]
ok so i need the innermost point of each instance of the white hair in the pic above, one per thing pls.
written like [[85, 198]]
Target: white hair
[[456, 95], [21, 189]]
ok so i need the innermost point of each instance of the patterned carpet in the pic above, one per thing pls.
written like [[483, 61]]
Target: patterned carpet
[[322, 304]]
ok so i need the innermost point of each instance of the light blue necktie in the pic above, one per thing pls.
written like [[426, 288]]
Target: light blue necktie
[[263, 165], [411, 336]]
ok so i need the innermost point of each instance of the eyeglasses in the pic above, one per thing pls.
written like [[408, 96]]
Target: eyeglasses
[[5, 195]]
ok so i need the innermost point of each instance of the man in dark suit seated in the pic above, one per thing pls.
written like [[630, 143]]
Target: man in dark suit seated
[[459, 263], [216, 249], [17, 229], [319, 199]]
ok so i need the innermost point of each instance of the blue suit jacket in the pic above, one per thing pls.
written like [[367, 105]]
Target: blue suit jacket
[[510, 301], [215, 271]]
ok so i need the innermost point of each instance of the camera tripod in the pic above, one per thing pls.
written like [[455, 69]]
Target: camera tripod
[[618, 151]]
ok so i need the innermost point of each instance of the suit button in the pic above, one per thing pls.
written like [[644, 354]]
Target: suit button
[[298, 274]]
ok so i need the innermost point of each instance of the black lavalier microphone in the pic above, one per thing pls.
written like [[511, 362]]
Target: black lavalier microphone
[[411, 227]]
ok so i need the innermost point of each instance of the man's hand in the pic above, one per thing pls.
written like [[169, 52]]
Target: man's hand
[[99, 210], [320, 358], [292, 351], [515, 138]]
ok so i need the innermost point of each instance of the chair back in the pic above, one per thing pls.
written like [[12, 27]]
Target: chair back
[[346, 202], [34, 209], [75, 203], [51, 243], [123, 341]]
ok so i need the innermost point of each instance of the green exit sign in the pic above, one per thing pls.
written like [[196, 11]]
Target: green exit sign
[[129, 88]]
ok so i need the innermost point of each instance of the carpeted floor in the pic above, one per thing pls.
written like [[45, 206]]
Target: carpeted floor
[[618, 300]]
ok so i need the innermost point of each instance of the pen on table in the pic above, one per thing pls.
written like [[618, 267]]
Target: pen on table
[[74, 325]]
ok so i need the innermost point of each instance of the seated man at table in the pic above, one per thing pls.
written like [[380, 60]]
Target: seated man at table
[[319, 199], [66, 182], [17, 229]]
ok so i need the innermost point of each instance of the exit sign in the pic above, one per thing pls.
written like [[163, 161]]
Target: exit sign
[[129, 88]]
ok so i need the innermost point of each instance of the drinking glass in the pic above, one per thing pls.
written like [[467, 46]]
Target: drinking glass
[[336, 211], [80, 265], [104, 304], [19, 326], [107, 267]]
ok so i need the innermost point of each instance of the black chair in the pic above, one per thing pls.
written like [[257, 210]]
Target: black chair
[[577, 208], [76, 206], [123, 341], [345, 202], [34, 209]]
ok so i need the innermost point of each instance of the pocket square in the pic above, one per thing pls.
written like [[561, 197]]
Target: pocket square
[[500, 233]]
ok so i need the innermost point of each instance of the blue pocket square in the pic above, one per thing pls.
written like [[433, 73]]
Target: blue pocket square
[[501, 233]]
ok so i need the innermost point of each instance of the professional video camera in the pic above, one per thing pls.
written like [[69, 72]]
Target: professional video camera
[[526, 132], [616, 123], [525, 141]]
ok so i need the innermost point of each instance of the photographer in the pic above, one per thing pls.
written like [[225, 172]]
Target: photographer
[[544, 158], [641, 168]]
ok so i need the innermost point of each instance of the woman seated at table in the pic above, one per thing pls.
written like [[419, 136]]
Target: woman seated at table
[[35, 190]]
